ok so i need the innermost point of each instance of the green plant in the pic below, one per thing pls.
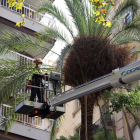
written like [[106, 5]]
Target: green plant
[[100, 135], [126, 102], [62, 138], [130, 100], [74, 137]]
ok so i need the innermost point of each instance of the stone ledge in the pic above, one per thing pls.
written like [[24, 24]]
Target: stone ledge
[[74, 113]]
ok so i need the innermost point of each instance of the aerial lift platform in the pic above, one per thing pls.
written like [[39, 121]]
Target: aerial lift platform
[[31, 108], [116, 78]]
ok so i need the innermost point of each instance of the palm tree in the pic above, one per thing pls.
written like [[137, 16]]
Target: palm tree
[[82, 29]]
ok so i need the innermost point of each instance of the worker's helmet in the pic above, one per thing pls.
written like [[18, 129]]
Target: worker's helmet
[[38, 61]]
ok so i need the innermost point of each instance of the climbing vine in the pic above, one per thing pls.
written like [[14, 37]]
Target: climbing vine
[[18, 5]]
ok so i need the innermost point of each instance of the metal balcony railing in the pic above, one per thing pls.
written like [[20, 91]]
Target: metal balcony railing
[[98, 124], [21, 57], [39, 123], [17, 57], [30, 14]]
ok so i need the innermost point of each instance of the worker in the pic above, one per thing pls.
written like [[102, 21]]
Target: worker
[[37, 81], [38, 62]]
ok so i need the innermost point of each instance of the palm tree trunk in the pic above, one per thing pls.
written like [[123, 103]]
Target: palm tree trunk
[[129, 129], [82, 131], [90, 104], [111, 121], [85, 101]]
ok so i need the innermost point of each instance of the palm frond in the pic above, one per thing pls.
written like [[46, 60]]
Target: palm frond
[[108, 30], [134, 116], [83, 13], [60, 62], [21, 43], [9, 116], [6, 123], [12, 77], [56, 123], [53, 131], [126, 6], [56, 33], [124, 38], [108, 9], [78, 15], [56, 13], [106, 131], [11, 84], [128, 33]]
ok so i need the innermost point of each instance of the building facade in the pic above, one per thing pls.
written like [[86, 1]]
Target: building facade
[[25, 127]]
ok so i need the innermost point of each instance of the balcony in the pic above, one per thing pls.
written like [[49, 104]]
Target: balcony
[[31, 17], [17, 57], [10, 16], [35, 128]]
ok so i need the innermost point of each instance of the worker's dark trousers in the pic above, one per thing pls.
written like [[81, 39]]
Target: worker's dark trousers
[[37, 91]]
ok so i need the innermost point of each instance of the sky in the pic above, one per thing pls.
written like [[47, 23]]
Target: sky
[[58, 44]]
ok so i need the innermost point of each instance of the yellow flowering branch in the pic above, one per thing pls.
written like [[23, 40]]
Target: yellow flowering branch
[[100, 6], [18, 5], [19, 24]]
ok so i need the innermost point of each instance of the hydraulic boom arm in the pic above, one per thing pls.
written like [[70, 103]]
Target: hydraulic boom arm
[[117, 78]]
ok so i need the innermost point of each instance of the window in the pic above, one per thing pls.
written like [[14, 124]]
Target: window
[[129, 17], [78, 130], [76, 107], [77, 104]]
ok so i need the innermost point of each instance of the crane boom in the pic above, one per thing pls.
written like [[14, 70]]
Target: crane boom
[[117, 78], [52, 108]]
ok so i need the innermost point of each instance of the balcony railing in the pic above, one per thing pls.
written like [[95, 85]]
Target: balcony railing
[[39, 123], [17, 57], [30, 13], [108, 120]]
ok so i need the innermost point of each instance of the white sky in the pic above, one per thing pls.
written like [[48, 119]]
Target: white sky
[[58, 45]]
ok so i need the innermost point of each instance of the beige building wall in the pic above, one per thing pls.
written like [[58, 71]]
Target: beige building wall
[[70, 121]]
